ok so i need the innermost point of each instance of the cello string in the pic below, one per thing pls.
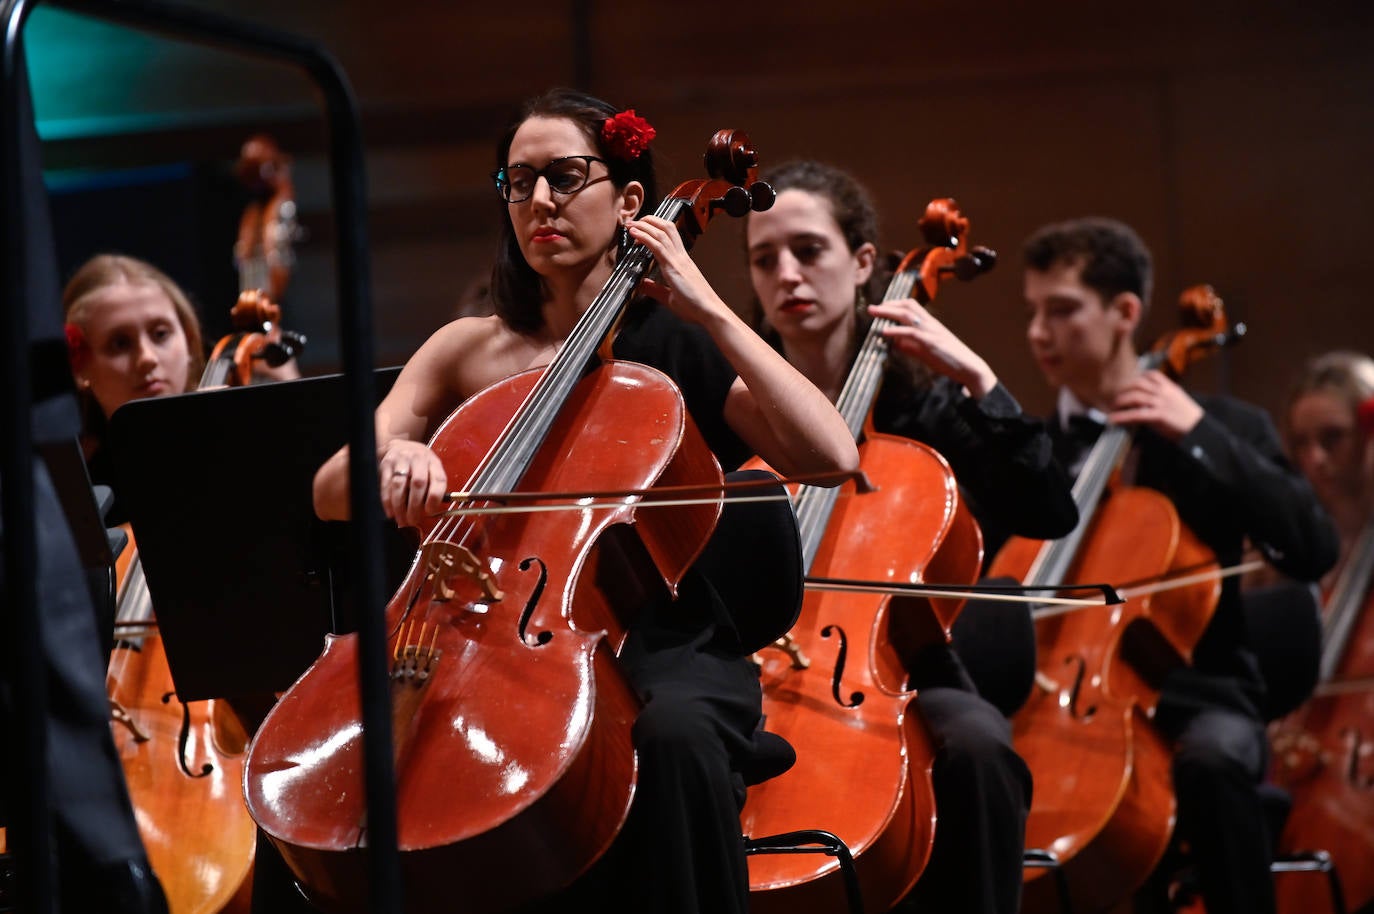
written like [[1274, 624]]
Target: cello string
[[509, 457], [813, 505]]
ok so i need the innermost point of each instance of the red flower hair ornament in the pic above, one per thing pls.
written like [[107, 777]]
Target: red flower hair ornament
[[77, 349], [627, 135], [1366, 416]]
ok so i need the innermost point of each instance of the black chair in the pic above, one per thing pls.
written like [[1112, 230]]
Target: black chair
[[1283, 622], [1277, 805], [1037, 859]]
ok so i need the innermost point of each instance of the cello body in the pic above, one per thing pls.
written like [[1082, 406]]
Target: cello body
[[183, 764], [514, 763], [848, 712], [1103, 800], [1324, 758]]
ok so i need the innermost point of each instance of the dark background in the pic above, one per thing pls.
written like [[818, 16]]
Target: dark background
[[1236, 137]]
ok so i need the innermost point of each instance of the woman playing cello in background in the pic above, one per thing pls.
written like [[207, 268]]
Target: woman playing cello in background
[[133, 334], [1321, 751], [813, 260], [574, 172]]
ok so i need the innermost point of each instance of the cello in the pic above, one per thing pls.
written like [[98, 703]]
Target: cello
[[183, 762], [1103, 801], [1324, 751], [504, 681], [836, 687]]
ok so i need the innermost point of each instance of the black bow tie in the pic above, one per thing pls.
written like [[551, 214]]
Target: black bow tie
[[1084, 430]]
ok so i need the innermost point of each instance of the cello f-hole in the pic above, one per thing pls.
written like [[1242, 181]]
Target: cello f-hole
[[183, 738], [855, 698], [1359, 751], [543, 637], [1077, 689]]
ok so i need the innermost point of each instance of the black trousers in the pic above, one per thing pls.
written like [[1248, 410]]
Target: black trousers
[[982, 797], [99, 856], [1220, 756], [681, 850]]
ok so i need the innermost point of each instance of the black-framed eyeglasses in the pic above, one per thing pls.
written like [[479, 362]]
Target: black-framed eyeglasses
[[566, 175]]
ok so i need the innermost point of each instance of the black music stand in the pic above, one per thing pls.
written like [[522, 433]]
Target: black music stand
[[245, 579]]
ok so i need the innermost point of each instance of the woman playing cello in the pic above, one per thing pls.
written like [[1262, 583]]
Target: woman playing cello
[[1322, 750], [133, 334], [574, 172], [812, 261]]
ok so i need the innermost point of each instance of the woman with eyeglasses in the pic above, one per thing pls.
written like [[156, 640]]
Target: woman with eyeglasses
[[813, 261], [575, 173]]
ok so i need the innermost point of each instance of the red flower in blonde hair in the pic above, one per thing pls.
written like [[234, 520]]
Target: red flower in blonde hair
[[627, 135], [77, 350], [1366, 414]]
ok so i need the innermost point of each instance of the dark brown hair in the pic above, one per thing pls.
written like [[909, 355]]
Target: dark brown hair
[[1113, 258], [516, 290]]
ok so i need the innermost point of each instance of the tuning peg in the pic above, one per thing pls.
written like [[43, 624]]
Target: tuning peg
[[736, 201], [761, 196], [291, 345], [976, 262]]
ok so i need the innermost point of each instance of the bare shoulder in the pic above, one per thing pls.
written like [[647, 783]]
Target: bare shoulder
[[458, 360], [458, 353]]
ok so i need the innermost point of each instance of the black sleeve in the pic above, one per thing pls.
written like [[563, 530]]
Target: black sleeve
[[1002, 457], [1243, 475], [654, 336]]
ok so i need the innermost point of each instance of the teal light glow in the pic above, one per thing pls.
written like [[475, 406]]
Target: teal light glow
[[92, 78]]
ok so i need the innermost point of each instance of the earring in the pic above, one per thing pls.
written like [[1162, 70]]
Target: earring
[[860, 300], [83, 383], [622, 241]]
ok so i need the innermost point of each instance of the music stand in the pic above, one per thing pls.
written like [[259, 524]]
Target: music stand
[[245, 580]]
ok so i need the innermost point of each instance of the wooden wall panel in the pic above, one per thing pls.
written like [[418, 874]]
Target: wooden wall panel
[[1233, 135]]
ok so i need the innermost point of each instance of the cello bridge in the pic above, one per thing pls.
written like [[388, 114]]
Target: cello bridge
[[120, 715], [789, 646], [446, 563]]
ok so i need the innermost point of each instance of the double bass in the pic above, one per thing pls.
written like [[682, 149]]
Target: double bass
[[835, 687], [268, 228], [1103, 800], [511, 719], [1324, 751], [183, 762]]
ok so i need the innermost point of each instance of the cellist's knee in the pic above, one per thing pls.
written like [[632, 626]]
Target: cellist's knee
[[1218, 747]]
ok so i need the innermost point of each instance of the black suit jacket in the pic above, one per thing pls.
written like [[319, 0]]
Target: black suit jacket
[[1231, 484]]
